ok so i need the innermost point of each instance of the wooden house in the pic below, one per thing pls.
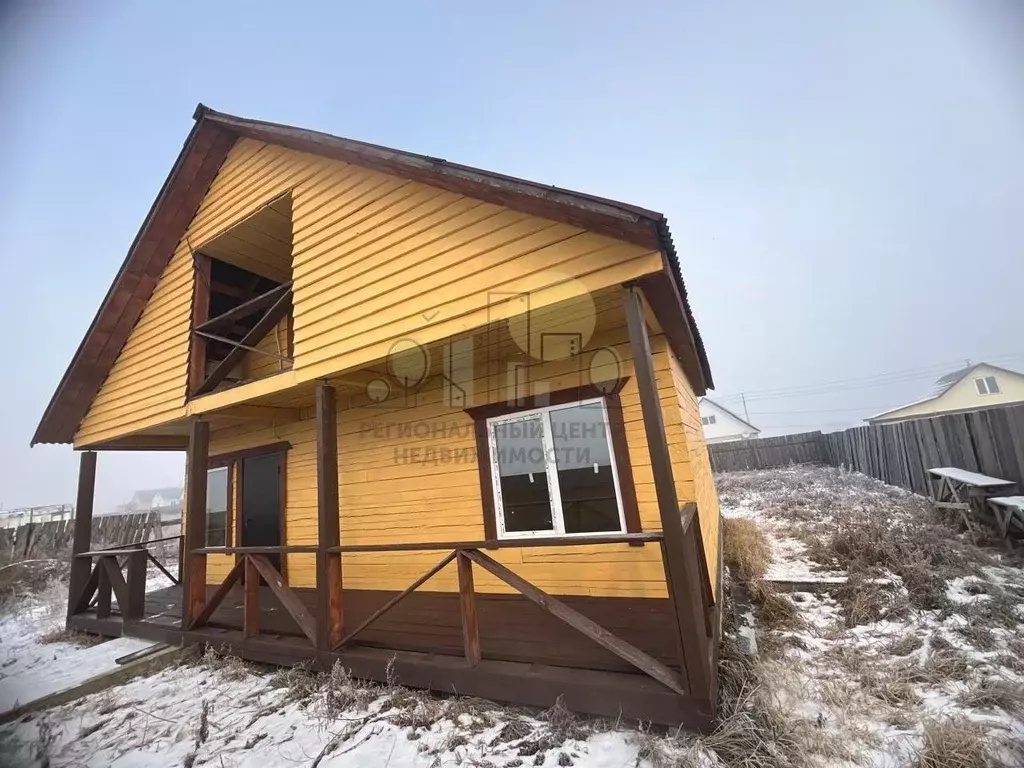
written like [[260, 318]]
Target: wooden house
[[435, 418]]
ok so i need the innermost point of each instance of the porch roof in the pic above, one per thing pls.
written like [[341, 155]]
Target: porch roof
[[201, 157]]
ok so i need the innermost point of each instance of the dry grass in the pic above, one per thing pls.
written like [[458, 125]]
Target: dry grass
[[62, 635], [904, 645], [745, 549], [774, 611], [866, 597], [229, 665], [995, 693], [954, 743]]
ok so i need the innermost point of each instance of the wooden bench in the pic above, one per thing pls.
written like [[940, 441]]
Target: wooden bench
[[965, 492], [1009, 514]]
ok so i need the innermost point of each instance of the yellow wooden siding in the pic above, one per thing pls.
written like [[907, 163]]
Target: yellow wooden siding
[[146, 384], [257, 366], [408, 473], [375, 258], [686, 440]]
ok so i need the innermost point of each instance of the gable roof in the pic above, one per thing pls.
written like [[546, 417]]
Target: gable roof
[[945, 383], [726, 410], [201, 157]]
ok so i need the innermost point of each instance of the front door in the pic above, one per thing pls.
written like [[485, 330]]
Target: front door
[[262, 503]]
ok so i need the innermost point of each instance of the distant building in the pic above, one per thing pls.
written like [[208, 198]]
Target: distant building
[[971, 388], [154, 499], [722, 425]]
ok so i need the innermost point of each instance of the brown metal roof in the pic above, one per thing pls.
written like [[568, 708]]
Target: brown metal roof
[[203, 154]]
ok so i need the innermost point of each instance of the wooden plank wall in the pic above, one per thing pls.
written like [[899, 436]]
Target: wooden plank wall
[[989, 441], [53, 539], [768, 452], [373, 256], [408, 472]]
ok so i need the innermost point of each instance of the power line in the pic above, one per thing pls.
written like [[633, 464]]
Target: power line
[[819, 410], [879, 379]]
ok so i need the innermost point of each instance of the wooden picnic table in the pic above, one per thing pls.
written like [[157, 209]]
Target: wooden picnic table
[[1009, 513], [964, 491]]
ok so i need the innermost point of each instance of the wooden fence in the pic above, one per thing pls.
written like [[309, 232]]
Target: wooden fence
[[53, 539], [767, 452], [989, 441]]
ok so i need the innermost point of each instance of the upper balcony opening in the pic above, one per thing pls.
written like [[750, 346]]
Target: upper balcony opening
[[242, 308]]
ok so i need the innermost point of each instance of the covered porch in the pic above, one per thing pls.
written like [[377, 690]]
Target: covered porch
[[642, 657]]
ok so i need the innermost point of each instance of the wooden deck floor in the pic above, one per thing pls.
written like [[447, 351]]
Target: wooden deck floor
[[280, 642]]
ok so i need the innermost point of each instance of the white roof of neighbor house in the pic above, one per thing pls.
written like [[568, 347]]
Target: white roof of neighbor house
[[942, 385], [726, 410]]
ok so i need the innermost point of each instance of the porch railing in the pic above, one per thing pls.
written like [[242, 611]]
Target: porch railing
[[107, 582], [254, 563]]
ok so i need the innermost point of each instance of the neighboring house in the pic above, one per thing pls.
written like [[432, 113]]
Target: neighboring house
[[968, 389], [154, 499], [722, 425], [445, 364]]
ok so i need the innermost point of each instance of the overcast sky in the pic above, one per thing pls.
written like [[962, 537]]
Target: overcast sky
[[845, 184]]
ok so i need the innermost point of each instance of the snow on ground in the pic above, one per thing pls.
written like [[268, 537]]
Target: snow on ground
[[923, 631], [873, 664], [224, 714], [67, 669], [26, 625]]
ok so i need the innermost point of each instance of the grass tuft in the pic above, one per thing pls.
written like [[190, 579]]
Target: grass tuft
[[745, 549], [953, 743]]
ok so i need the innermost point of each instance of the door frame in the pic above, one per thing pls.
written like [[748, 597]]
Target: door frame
[[234, 460]]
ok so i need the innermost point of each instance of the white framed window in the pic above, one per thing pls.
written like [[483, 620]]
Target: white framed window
[[553, 472], [987, 385], [217, 507], [708, 420]]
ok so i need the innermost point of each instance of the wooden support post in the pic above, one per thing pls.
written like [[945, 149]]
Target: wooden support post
[[329, 609], [193, 598], [682, 572], [136, 603], [200, 313], [251, 615], [103, 591], [81, 567], [467, 602]]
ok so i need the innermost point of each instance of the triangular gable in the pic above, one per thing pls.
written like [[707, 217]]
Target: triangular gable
[[202, 157]]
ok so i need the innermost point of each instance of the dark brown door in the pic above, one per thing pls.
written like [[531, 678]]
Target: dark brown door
[[262, 508]]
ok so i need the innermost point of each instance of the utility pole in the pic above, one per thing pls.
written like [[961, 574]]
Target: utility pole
[[746, 415]]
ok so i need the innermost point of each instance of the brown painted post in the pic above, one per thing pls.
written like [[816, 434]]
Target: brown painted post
[[137, 564], [251, 616], [104, 590], [193, 597], [467, 602], [681, 569], [200, 314], [82, 566], [329, 608]]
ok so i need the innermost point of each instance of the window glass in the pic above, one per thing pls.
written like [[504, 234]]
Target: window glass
[[586, 481], [554, 471], [980, 385], [525, 502], [217, 507], [993, 387]]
